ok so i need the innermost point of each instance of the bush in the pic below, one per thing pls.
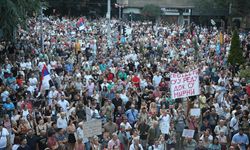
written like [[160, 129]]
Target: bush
[[236, 53], [245, 73]]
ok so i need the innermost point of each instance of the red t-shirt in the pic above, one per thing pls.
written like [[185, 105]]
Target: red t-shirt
[[136, 81], [27, 104], [19, 82], [248, 90], [110, 76]]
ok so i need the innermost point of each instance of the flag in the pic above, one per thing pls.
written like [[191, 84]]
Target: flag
[[80, 24], [213, 22], [221, 38], [45, 79]]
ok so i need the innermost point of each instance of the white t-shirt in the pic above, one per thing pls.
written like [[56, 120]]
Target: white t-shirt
[[33, 81], [88, 77], [132, 147], [28, 65], [23, 65], [15, 147], [61, 123], [165, 124], [124, 98], [25, 113], [127, 126], [64, 104], [157, 80], [3, 137], [31, 89]]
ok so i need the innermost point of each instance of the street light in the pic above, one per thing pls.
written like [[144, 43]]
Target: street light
[[109, 27], [41, 24], [120, 6]]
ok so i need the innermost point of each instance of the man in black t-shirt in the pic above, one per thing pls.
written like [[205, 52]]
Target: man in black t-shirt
[[32, 140]]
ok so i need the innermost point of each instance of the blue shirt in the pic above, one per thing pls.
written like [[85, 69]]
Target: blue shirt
[[103, 67], [241, 139], [132, 115], [69, 67], [9, 106]]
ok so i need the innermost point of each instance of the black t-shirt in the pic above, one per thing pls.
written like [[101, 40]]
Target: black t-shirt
[[143, 129], [32, 141], [42, 143], [131, 66], [24, 148], [117, 102]]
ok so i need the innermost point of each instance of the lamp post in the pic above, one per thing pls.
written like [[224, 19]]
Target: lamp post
[[41, 24], [131, 17], [120, 6], [109, 21]]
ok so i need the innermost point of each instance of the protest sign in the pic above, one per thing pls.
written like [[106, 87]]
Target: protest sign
[[195, 112], [185, 84], [188, 133], [92, 128]]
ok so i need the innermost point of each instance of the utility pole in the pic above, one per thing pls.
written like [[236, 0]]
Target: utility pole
[[109, 26], [120, 12], [41, 26]]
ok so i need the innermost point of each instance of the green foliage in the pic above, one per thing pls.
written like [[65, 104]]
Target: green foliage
[[208, 7], [151, 12], [14, 13], [245, 73], [239, 7], [236, 53]]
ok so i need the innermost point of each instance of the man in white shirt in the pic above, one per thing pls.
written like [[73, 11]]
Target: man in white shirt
[[64, 104], [33, 80], [136, 144], [4, 137], [88, 76], [94, 112], [165, 122], [53, 93], [221, 127], [105, 83], [234, 124], [28, 64], [157, 79], [30, 88], [62, 121]]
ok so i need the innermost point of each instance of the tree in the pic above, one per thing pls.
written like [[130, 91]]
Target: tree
[[236, 53], [245, 73], [14, 13], [228, 8], [151, 12], [240, 7]]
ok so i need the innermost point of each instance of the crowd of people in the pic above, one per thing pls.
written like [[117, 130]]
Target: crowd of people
[[123, 81]]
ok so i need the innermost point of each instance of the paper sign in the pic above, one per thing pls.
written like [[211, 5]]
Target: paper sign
[[188, 133], [92, 128], [195, 112], [185, 84]]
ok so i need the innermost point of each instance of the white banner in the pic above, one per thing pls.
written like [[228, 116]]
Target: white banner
[[185, 84], [188, 133], [92, 128]]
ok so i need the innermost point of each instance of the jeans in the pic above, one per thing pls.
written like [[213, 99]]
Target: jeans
[[3, 148], [87, 146]]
